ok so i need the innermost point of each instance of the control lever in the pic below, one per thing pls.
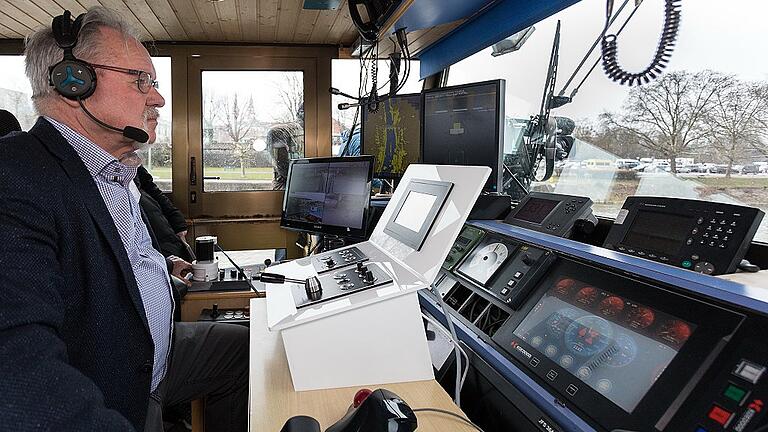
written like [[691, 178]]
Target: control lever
[[301, 424], [312, 285], [215, 311]]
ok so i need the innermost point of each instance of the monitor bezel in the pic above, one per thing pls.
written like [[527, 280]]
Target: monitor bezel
[[495, 181], [327, 229], [415, 239], [363, 121]]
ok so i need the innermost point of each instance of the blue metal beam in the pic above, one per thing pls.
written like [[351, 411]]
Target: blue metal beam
[[499, 21]]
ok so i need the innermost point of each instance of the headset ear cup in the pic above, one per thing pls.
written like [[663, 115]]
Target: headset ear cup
[[73, 79]]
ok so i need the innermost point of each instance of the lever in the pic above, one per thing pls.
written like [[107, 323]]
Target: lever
[[215, 311], [312, 285]]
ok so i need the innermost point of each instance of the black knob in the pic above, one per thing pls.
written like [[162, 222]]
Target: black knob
[[360, 267], [528, 260], [267, 262], [330, 262], [232, 274], [222, 274], [241, 275], [215, 311], [368, 276]]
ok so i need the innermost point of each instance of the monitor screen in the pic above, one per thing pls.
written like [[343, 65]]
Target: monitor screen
[[462, 126], [660, 232], [535, 210], [392, 135], [328, 195], [614, 345]]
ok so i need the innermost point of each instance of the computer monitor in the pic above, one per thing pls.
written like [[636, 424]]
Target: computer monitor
[[328, 195], [462, 125], [392, 135]]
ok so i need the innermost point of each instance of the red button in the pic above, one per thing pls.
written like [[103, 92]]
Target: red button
[[720, 415]]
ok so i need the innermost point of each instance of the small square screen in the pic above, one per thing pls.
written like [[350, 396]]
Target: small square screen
[[536, 210], [414, 211], [660, 232]]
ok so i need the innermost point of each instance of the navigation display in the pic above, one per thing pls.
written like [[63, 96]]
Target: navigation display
[[660, 232], [536, 210], [393, 135], [615, 346]]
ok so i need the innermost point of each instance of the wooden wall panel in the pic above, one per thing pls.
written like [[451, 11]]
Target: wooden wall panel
[[206, 13], [249, 20], [188, 19], [156, 29], [268, 21], [229, 19], [167, 17], [287, 18]]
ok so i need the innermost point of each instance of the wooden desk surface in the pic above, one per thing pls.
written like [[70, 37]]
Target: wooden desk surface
[[273, 400]]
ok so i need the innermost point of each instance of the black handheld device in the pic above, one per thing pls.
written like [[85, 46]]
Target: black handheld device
[[704, 236]]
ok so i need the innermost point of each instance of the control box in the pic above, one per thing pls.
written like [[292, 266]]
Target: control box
[[551, 213], [703, 236]]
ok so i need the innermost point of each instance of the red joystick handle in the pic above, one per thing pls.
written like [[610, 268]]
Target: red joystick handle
[[360, 396]]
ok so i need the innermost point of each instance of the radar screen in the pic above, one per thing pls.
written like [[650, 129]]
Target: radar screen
[[392, 135], [486, 259]]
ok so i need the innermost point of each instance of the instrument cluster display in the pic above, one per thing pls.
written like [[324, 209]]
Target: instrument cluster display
[[614, 345], [486, 259]]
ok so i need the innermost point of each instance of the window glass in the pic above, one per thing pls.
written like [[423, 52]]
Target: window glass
[[15, 91], [673, 137], [345, 76], [253, 125], [158, 157]]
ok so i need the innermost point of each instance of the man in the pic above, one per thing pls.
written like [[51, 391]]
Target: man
[[285, 141], [85, 301]]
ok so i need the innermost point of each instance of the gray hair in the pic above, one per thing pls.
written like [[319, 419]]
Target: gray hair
[[41, 51]]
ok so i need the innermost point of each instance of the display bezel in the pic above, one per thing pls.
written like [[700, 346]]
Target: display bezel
[[712, 324], [415, 239], [495, 180], [295, 225], [365, 148]]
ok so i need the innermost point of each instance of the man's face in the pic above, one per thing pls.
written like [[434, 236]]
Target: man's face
[[117, 100]]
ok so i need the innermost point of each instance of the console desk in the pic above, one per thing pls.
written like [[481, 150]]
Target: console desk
[[273, 400]]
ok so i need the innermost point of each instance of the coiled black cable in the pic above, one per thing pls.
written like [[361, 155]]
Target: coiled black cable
[[610, 49]]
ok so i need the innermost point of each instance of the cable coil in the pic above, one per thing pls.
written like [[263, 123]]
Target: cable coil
[[610, 50]]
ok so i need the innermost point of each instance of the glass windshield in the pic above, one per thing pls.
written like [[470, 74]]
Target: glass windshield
[[697, 132]]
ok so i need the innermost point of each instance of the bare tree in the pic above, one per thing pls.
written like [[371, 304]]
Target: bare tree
[[667, 116], [238, 122], [737, 119], [291, 93]]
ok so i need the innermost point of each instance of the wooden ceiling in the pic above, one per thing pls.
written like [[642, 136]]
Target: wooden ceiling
[[251, 21]]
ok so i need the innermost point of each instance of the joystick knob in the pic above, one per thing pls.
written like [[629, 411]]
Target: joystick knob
[[215, 311], [360, 267], [232, 274], [528, 260], [369, 277], [330, 262]]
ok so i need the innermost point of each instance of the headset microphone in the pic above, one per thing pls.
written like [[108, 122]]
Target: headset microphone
[[129, 132]]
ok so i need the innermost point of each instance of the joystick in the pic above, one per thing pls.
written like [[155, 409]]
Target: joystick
[[215, 311], [376, 411], [369, 278]]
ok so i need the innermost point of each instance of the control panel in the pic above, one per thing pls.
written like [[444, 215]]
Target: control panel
[[702, 236], [343, 282], [554, 214], [621, 351], [466, 240], [336, 259]]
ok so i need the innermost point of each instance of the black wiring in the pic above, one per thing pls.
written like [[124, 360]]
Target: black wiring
[[610, 50]]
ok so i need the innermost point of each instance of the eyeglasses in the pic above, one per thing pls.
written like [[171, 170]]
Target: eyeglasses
[[144, 80]]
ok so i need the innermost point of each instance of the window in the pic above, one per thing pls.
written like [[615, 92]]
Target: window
[[622, 142], [158, 157], [253, 125], [345, 76], [15, 91]]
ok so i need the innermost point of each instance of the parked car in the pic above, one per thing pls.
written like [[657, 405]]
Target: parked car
[[718, 169], [750, 169], [627, 163]]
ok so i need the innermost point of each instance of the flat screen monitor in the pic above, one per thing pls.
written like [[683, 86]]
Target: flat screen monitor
[[462, 125], [328, 195], [392, 135]]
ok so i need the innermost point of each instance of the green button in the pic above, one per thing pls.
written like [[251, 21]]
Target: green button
[[687, 264], [734, 393]]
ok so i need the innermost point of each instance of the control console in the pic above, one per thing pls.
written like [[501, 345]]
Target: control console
[[343, 282], [554, 214], [703, 236], [336, 259]]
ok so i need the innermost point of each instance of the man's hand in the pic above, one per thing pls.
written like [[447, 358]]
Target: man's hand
[[181, 268]]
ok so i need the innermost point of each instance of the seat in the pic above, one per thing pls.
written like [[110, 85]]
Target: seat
[[8, 123]]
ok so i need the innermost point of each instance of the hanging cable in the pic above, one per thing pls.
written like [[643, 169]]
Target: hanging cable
[[610, 50]]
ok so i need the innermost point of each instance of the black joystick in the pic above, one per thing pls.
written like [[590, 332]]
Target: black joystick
[[301, 424], [360, 268], [232, 274], [330, 262], [369, 277], [215, 311], [267, 262], [528, 260], [222, 274]]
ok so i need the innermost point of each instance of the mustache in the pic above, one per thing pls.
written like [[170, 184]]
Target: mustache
[[151, 113]]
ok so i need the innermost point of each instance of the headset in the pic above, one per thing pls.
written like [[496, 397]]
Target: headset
[[75, 79], [72, 78]]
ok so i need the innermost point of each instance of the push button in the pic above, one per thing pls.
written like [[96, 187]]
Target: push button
[[749, 371], [504, 291], [687, 264], [720, 415], [735, 393]]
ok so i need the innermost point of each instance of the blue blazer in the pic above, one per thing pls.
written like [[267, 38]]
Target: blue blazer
[[75, 348]]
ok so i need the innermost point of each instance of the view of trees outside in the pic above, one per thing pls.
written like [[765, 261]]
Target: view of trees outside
[[698, 131], [253, 124], [16, 93]]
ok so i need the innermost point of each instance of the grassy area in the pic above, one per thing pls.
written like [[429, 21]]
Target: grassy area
[[224, 173], [733, 182]]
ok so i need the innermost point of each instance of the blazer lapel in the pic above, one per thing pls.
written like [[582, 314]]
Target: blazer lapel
[[85, 187]]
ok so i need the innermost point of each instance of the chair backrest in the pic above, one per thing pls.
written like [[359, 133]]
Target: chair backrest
[[8, 123]]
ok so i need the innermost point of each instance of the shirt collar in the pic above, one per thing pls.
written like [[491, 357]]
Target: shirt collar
[[96, 159]]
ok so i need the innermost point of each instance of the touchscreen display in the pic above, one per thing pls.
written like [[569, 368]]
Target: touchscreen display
[[414, 212], [536, 210], [615, 346], [659, 232]]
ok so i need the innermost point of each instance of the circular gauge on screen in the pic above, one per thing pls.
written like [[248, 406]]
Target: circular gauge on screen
[[560, 320], [587, 295], [625, 352], [640, 317], [675, 332], [564, 287], [484, 262], [588, 335], [611, 306]]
